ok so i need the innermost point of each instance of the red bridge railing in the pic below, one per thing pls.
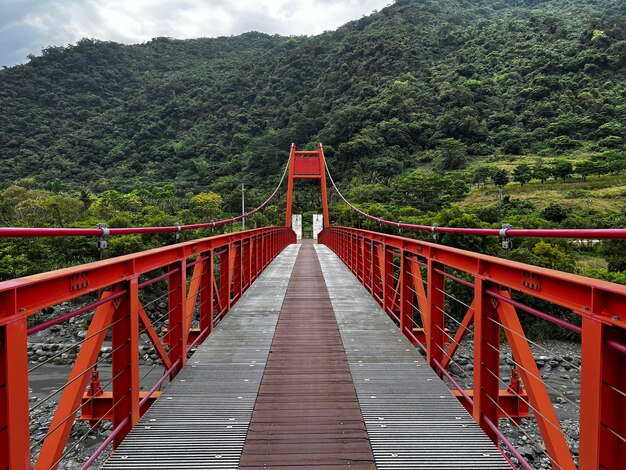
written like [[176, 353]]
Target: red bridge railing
[[419, 283], [198, 281]]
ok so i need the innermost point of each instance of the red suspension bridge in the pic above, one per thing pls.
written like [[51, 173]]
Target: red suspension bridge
[[338, 354]]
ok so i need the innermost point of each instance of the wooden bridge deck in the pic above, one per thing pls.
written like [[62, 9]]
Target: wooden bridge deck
[[306, 371]]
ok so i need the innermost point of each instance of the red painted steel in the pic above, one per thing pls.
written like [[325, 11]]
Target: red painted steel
[[307, 164], [381, 263], [222, 271]]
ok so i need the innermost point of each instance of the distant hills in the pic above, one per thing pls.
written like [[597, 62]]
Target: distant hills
[[420, 82]]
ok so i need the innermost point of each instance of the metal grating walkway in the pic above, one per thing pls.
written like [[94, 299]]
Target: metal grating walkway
[[202, 418], [331, 383], [412, 419]]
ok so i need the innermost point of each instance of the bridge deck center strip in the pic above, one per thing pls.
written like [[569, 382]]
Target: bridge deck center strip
[[307, 414]]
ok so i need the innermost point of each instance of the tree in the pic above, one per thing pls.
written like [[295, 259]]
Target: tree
[[555, 213], [206, 206], [370, 192], [540, 172], [562, 169], [481, 174], [615, 161], [613, 251], [419, 189], [585, 168], [522, 173], [500, 177], [552, 256], [452, 155]]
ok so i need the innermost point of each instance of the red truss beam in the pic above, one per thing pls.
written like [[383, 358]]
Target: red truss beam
[[392, 268], [224, 266]]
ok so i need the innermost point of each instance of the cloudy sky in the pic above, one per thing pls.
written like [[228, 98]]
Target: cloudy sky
[[27, 26]]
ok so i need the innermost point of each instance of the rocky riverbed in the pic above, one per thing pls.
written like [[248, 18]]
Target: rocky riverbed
[[45, 384], [51, 354], [559, 365]]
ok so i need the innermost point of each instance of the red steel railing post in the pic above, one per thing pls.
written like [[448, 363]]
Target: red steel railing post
[[377, 272], [342, 247], [225, 278], [367, 264], [237, 273], [271, 245], [249, 261], [435, 332], [243, 266], [358, 252], [207, 309], [14, 420], [545, 415], [268, 249], [176, 305], [359, 257], [125, 361], [350, 241], [355, 255], [406, 293], [602, 401], [388, 272], [255, 258], [486, 359]]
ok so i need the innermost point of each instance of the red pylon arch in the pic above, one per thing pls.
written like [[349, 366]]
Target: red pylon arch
[[307, 164]]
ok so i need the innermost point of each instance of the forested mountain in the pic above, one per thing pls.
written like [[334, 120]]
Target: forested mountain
[[385, 94]]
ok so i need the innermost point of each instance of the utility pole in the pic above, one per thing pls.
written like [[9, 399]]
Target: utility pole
[[243, 206]]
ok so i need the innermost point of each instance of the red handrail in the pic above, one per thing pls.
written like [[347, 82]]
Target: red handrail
[[413, 282]]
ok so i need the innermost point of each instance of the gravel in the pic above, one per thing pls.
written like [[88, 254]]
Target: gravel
[[559, 365]]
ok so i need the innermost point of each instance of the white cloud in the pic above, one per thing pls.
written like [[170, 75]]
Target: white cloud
[[26, 26]]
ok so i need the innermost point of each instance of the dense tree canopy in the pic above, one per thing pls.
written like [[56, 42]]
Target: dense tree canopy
[[441, 81]]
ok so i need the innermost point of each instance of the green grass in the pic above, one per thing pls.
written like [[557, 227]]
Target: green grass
[[591, 262], [607, 193]]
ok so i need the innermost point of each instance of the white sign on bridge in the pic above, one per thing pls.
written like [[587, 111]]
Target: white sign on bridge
[[296, 225], [318, 225]]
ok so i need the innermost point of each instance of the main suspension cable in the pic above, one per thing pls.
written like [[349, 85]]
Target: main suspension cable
[[505, 232], [22, 232]]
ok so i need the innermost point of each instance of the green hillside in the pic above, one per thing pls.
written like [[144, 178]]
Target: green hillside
[[499, 76]]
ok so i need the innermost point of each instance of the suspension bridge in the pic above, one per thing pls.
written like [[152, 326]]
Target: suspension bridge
[[335, 354]]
